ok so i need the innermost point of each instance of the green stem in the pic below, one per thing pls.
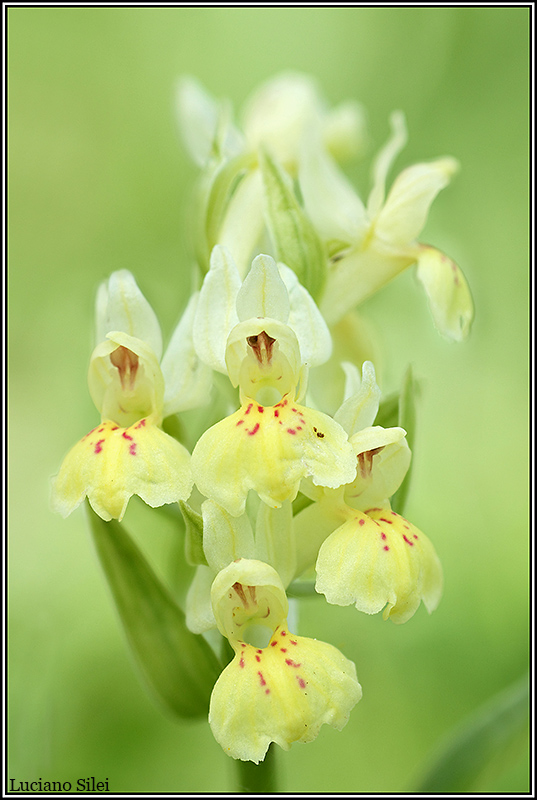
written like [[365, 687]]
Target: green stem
[[258, 778]]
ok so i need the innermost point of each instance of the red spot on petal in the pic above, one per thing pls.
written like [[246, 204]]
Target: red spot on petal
[[301, 682], [414, 535], [267, 691], [258, 658], [408, 541], [132, 449], [241, 663], [254, 429], [249, 408], [283, 649], [292, 641], [100, 430], [115, 428], [141, 424], [291, 663], [240, 422], [298, 428], [276, 413], [383, 535], [386, 547], [284, 633], [386, 520], [99, 446], [260, 409], [126, 436], [393, 512], [291, 430], [262, 681], [258, 651], [273, 644], [361, 522], [293, 409]]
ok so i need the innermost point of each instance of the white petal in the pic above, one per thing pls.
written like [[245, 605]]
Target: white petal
[[198, 116], [121, 306], [187, 379], [407, 206], [263, 292], [360, 409], [306, 321], [384, 160], [216, 314]]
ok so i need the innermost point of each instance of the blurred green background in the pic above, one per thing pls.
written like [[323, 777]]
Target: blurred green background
[[98, 181]]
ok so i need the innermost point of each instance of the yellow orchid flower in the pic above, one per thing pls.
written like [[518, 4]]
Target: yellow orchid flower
[[128, 453], [272, 441], [365, 553], [279, 687], [370, 245]]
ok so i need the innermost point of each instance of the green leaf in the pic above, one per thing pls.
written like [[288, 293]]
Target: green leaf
[[179, 666], [194, 535], [294, 236], [482, 743], [407, 420]]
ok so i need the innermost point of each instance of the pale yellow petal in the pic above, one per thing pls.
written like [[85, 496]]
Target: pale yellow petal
[[379, 560], [283, 693], [110, 464], [270, 449]]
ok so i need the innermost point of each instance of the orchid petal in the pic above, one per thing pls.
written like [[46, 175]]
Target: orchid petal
[[404, 214], [215, 313], [121, 306], [360, 409], [110, 464], [384, 161], [306, 321], [379, 560], [187, 379], [263, 292], [449, 296], [273, 448]]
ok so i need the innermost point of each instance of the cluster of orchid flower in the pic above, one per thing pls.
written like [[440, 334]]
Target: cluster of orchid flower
[[275, 490]]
